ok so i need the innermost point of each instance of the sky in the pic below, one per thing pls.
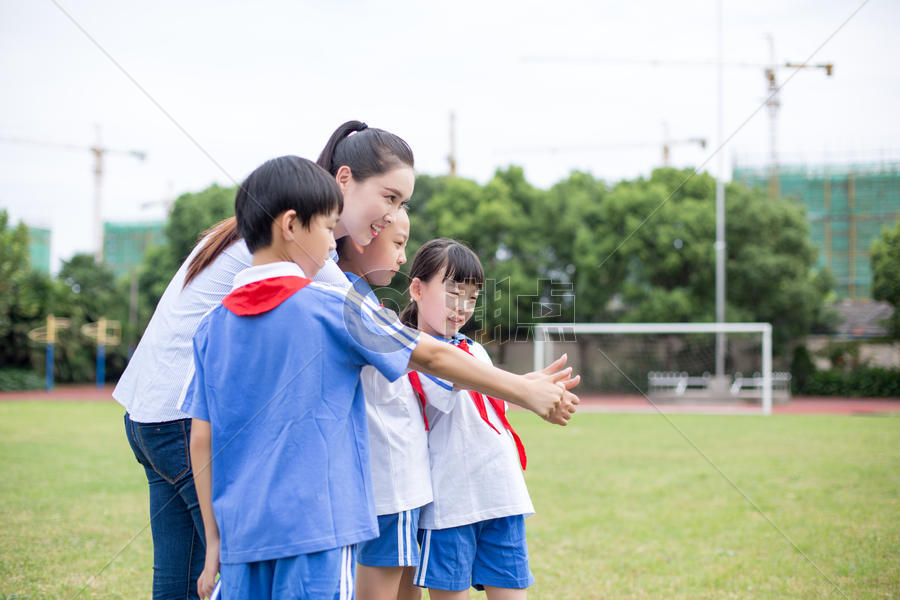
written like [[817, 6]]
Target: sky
[[210, 90]]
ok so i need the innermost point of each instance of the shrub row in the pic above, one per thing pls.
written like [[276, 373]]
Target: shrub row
[[859, 381], [13, 379]]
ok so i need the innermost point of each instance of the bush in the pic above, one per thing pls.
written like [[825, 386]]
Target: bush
[[860, 381], [802, 368], [13, 379]]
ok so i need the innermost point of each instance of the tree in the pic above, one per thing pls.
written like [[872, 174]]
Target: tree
[[192, 214], [24, 295], [885, 261], [641, 250], [498, 221], [576, 218], [88, 291]]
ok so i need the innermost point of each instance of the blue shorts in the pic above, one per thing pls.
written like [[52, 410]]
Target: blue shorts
[[327, 574], [395, 545], [492, 552]]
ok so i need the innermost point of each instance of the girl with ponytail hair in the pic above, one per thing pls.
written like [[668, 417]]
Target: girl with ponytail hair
[[151, 389]]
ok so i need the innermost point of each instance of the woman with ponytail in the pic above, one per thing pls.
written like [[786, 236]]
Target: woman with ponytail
[[374, 169], [151, 390]]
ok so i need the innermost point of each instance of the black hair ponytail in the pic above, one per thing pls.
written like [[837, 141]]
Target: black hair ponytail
[[409, 316], [366, 150]]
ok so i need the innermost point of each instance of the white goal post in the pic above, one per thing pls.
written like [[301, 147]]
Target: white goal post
[[543, 341]]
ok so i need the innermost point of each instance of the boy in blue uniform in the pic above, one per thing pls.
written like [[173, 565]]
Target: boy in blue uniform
[[279, 414]]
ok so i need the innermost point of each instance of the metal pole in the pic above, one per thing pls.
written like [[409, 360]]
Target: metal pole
[[51, 340], [101, 366], [132, 311], [767, 370], [97, 150], [538, 348], [720, 208], [49, 367], [101, 352], [451, 158]]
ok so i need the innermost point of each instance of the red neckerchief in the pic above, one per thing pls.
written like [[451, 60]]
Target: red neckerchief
[[263, 295], [420, 393], [478, 398]]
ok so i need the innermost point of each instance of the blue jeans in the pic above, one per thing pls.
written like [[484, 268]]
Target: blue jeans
[[179, 545]]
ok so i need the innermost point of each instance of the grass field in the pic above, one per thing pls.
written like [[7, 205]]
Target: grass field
[[626, 507]]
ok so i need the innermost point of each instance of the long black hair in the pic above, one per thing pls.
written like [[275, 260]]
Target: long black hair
[[366, 150], [462, 266]]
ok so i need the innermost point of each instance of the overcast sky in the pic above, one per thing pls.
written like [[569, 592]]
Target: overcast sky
[[250, 81]]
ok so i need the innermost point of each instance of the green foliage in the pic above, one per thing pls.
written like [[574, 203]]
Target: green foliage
[[802, 368], [863, 381], [192, 214], [82, 292], [26, 296], [640, 250], [885, 262], [848, 376], [842, 354], [668, 255], [89, 291], [16, 379]]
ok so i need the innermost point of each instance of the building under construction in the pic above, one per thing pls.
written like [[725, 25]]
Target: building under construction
[[124, 244], [39, 248], [847, 207]]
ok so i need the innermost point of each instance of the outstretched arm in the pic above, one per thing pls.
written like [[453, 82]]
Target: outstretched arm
[[542, 393], [201, 461]]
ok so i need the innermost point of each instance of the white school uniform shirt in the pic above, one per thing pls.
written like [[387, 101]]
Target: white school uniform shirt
[[475, 472], [330, 272], [398, 442], [154, 383]]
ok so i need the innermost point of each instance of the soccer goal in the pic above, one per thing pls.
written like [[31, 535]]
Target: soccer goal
[[669, 362]]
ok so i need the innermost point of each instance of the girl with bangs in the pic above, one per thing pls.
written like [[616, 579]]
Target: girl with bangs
[[473, 533]]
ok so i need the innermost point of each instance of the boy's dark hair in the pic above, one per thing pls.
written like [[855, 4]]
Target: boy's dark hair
[[462, 266], [280, 184], [368, 151]]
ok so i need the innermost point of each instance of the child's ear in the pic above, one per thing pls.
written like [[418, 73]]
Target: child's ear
[[415, 289], [287, 222]]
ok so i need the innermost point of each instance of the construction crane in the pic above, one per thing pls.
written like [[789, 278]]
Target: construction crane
[[451, 157], [770, 71], [99, 151], [667, 144], [773, 104]]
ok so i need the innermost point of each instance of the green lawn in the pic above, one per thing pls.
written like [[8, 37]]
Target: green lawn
[[626, 508]]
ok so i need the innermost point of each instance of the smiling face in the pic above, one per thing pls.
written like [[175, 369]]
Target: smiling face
[[444, 306], [372, 204], [380, 260]]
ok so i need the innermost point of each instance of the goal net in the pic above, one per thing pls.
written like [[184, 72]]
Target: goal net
[[669, 362]]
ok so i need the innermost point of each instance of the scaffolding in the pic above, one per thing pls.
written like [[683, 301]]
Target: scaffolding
[[39, 249], [124, 244], [847, 207]]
